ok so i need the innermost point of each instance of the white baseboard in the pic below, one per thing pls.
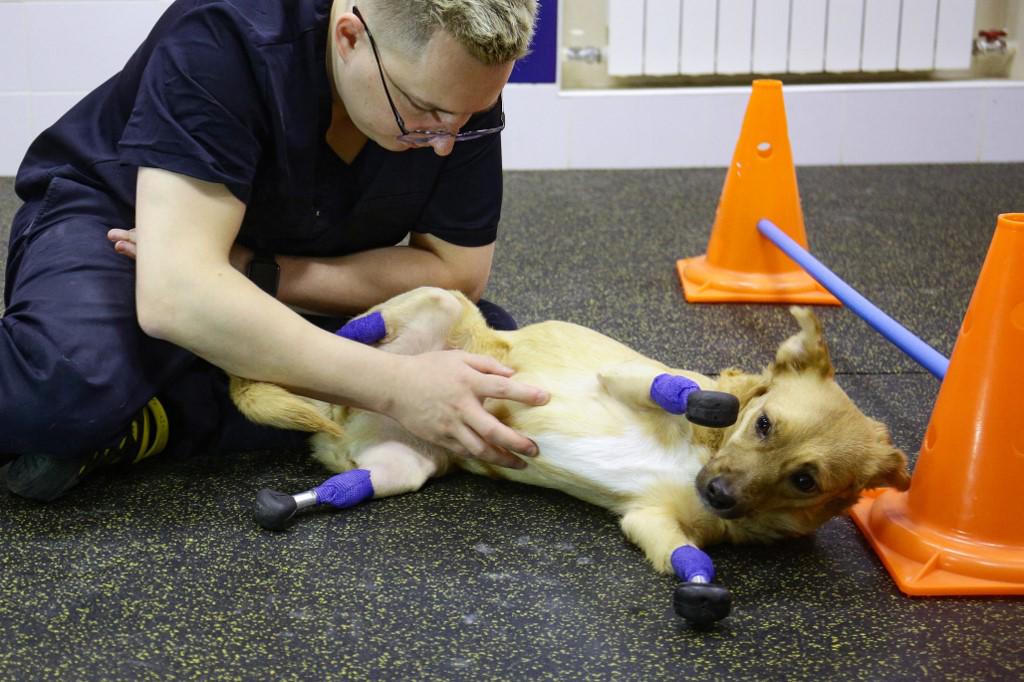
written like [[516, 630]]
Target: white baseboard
[[887, 123]]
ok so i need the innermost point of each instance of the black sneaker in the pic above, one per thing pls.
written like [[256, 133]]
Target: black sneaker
[[44, 478]]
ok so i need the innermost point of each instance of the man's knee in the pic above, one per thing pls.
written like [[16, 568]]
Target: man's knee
[[54, 403]]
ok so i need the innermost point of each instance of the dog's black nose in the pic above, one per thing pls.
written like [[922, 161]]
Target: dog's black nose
[[719, 495]]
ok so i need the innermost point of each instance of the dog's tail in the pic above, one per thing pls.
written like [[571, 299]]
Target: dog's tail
[[272, 405]]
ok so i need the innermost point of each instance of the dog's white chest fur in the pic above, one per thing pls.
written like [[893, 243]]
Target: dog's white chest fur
[[596, 468]]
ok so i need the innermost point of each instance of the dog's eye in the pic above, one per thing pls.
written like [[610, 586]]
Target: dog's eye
[[803, 481], [763, 426]]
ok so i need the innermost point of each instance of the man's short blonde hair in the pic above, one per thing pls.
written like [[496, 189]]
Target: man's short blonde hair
[[493, 31]]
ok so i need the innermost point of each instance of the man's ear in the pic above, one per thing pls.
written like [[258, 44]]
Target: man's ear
[[346, 33], [806, 350]]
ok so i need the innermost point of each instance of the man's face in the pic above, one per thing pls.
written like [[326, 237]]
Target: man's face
[[438, 90]]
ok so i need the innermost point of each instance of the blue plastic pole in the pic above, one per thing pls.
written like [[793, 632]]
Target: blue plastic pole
[[907, 342]]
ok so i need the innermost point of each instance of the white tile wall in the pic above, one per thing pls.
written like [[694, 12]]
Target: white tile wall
[[931, 125], [13, 48], [78, 45], [815, 119], [54, 51], [1003, 125], [15, 136], [653, 128], [954, 122], [44, 108], [534, 135]]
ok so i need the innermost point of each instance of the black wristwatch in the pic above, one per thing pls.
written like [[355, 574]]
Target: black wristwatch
[[265, 272]]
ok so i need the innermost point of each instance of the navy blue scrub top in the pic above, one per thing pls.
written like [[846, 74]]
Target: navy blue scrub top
[[237, 92]]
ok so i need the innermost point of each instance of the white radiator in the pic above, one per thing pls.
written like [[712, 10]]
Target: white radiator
[[698, 37]]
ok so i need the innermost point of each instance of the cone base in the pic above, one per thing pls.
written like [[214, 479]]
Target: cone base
[[926, 562], [706, 283]]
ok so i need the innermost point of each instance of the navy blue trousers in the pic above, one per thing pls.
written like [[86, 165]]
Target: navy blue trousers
[[75, 366]]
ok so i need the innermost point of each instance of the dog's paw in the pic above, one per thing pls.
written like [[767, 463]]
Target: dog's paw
[[672, 392], [368, 329]]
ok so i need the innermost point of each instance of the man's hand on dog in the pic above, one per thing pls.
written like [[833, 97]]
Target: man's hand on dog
[[440, 399], [438, 396]]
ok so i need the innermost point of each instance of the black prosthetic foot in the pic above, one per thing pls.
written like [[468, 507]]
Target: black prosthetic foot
[[702, 603], [714, 409], [274, 509]]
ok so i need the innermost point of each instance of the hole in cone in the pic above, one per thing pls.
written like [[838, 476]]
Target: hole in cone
[[764, 150]]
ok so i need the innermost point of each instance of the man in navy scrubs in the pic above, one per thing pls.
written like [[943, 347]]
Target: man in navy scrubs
[[271, 155]]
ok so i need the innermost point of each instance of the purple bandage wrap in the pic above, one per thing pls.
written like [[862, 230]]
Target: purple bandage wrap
[[671, 392], [346, 489], [366, 329], [689, 562]]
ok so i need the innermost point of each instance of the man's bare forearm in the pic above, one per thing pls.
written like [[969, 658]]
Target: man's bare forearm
[[346, 285], [237, 327], [350, 284]]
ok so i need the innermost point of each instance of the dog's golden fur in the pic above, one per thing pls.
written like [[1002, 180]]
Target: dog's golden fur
[[800, 452]]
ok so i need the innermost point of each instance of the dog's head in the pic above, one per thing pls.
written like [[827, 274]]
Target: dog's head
[[800, 452]]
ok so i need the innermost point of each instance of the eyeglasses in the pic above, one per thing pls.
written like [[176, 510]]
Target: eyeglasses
[[422, 137]]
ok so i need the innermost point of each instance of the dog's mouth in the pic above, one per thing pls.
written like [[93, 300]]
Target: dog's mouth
[[727, 514]]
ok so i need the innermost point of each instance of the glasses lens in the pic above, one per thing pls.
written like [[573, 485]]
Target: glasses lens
[[425, 137], [418, 138], [421, 138]]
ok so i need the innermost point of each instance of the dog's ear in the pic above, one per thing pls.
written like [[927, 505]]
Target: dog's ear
[[887, 464], [806, 350], [742, 385], [891, 472]]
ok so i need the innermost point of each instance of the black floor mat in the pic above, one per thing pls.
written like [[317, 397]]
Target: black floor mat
[[162, 574]]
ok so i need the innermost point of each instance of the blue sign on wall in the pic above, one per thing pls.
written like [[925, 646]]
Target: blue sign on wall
[[539, 66]]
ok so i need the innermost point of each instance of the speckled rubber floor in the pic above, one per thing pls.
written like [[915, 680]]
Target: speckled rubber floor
[[161, 573]]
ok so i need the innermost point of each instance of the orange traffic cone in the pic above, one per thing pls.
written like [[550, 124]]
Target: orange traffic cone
[[960, 528], [740, 264]]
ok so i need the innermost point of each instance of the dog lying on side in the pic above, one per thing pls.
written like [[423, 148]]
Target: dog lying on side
[[799, 453]]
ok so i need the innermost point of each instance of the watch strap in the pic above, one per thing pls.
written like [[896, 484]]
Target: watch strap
[[264, 271]]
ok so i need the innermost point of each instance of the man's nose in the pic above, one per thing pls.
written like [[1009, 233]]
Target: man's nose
[[453, 122], [443, 145]]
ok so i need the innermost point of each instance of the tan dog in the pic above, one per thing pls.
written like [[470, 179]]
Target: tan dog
[[799, 453]]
